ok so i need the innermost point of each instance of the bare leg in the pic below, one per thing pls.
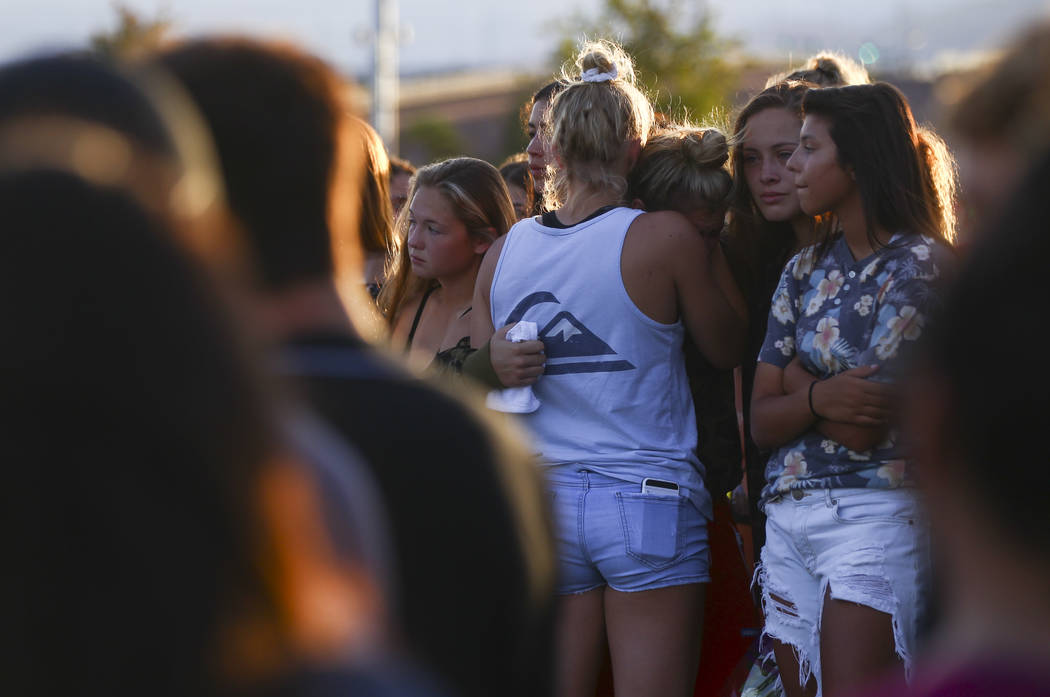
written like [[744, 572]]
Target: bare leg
[[856, 646], [654, 640], [580, 633], [787, 666]]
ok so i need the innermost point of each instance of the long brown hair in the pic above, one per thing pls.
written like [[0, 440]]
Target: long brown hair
[[905, 175], [475, 191]]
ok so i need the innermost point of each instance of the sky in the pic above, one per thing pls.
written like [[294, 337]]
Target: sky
[[518, 34]]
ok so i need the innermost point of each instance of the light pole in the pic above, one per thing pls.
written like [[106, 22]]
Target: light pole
[[384, 73]]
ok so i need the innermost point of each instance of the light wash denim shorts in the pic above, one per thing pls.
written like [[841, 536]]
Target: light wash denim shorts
[[866, 546], [609, 533]]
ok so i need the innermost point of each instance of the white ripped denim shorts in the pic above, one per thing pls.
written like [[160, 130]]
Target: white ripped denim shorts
[[866, 546]]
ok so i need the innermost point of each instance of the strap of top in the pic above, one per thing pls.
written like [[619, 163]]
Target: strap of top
[[419, 313]]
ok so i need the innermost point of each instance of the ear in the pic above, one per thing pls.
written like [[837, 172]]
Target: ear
[[483, 240], [638, 204]]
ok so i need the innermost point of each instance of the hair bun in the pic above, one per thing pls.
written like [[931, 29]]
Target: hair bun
[[606, 57], [707, 148]]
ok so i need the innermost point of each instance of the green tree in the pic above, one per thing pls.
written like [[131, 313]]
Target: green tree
[[435, 136], [682, 62], [132, 36]]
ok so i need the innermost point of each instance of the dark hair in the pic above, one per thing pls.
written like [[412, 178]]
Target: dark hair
[[996, 419], [894, 164], [85, 87], [401, 166], [515, 172], [275, 114], [137, 431], [543, 94]]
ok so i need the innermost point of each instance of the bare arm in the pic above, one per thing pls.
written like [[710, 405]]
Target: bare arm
[[481, 314], [672, 274], [867, 424]]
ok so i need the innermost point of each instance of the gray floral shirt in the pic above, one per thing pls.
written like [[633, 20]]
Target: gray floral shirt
[[836, 314]]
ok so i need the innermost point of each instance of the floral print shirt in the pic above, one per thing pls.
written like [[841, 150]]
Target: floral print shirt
[[837, 313]]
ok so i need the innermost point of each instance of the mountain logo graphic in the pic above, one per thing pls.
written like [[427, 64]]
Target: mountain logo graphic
[[565, 336]]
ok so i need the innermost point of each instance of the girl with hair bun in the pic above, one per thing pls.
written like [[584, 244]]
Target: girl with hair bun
[[612, 291], [844, 570]]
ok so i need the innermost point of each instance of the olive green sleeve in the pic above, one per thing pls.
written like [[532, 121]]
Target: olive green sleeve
[[478, 366]]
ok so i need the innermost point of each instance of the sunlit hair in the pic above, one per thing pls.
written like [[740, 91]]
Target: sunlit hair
[[515, 171], [1012, 101], [377, 216], [476, 193], [400, 165], [905, 176], [590, 124], [826, 69], [683, 161]]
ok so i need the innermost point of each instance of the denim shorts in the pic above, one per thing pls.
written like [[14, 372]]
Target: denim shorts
[[609, 533], [866, 546]]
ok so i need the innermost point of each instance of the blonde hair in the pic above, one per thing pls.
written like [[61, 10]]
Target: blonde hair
[[683, 159], [826, 69], [589, 124], [478, 195]]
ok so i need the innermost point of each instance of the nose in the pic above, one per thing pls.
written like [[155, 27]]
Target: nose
[[792, 163], [770, 173], [415, 239], [535, 148]]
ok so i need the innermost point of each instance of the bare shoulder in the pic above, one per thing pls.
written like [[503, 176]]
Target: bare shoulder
[[666, 234], [403, 321]]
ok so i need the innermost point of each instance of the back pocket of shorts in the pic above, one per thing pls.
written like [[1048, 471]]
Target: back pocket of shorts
[[650, 527]]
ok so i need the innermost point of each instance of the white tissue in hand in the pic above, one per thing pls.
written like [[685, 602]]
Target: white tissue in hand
[[516, 400]]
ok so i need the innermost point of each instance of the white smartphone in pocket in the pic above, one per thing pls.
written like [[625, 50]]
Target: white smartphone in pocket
[[659, 487]]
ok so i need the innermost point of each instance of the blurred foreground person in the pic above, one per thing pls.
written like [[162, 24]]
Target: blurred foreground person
[[977, 435], [1003, 123], [159, 536], [471, 545]]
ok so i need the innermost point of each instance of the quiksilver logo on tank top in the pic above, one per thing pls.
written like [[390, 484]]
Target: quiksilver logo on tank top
[[566, 340]]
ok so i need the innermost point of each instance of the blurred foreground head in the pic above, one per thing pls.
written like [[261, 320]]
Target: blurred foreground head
[[158, 537], [138, 435], [287, 151], [1003, 122], [982, 433]]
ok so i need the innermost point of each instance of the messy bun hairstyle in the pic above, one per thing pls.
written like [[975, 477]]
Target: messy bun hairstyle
[[683, 160], [592, 121], [826, 69]]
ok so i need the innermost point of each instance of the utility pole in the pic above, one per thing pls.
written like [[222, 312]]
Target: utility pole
[[384, 73]]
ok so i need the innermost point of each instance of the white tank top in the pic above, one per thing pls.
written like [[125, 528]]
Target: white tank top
[[614, 395]]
